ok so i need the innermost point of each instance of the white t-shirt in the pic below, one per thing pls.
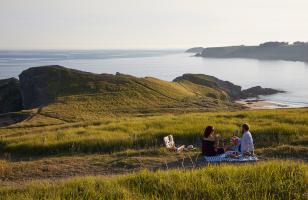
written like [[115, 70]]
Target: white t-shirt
[[247, 142]]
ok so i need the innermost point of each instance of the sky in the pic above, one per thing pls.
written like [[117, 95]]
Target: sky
[[149, 24]]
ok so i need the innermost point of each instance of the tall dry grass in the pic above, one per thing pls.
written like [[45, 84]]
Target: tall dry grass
[[267, 180], [270, 128]]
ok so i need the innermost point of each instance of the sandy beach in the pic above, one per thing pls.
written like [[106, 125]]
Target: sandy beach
[[260, 104]]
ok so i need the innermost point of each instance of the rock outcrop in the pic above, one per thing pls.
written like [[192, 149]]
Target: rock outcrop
[[41, 85], [10, 96], [257, 91]]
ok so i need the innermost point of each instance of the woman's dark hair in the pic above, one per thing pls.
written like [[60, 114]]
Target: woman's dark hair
[[208, 131], [246, 127]]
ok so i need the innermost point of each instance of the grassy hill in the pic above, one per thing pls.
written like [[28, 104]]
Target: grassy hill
[[74, 95]]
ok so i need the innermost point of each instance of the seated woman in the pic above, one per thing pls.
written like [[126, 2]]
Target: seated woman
[[209, 144]]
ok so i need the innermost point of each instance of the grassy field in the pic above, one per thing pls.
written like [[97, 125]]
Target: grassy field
[[268, 180], [41, 137], [46, 157]]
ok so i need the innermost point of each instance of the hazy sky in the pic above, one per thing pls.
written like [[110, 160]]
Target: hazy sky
[[99, 24]]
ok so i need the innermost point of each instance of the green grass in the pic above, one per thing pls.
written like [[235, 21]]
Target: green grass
[[285, 152], [146, 97], [46, 147], [270, 128], [267, 180]]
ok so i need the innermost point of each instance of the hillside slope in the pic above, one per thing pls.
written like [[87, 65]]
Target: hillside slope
[[233, 91], [73, 95]]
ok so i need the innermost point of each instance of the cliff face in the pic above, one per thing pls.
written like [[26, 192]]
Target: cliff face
[[41, 85], [257, 91], [10, 96], [35, 84]]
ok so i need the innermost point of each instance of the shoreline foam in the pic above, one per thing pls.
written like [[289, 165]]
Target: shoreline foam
[[257, 104]]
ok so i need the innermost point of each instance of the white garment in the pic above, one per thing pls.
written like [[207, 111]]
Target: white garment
[[247, 142], [169, 142]]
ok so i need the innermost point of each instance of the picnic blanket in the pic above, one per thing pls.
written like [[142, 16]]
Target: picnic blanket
[[225, 158]]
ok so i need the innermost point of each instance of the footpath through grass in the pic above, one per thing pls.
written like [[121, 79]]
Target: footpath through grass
[[267, 180]]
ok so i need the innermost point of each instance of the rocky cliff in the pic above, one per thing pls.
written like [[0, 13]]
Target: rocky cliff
[[257, 91], [41, 85], [10, 96]]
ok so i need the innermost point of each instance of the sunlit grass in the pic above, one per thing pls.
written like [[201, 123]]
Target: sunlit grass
[[269, 128], [267, 180]]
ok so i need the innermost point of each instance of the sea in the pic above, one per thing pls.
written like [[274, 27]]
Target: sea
[[289, 76]]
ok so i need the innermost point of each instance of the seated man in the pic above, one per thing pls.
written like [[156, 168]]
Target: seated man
[[247, 147]]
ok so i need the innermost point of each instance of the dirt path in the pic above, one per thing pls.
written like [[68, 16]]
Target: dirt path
[[57, 168]]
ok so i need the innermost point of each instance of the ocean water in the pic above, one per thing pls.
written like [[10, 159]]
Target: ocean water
[[291, 77]]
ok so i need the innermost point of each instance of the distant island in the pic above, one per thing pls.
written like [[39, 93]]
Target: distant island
[[297, 51]]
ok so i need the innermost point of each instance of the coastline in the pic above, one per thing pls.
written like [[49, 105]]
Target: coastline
[[257, 104]]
